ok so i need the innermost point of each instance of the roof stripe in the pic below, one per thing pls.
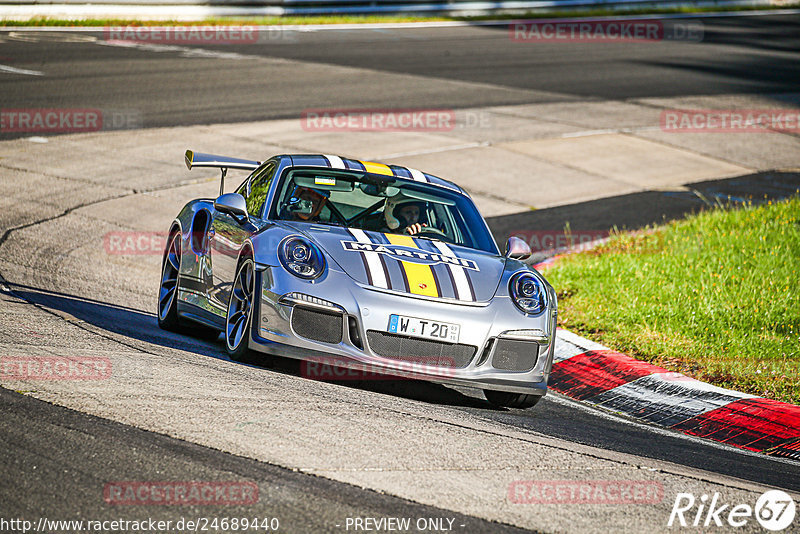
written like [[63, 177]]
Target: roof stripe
[[354, 165], [335, 161], [418, 176], [435, 180], [377, 168], [396, 171], [400, 172]]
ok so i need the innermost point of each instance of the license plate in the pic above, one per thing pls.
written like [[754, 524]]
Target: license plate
[[413, 326]]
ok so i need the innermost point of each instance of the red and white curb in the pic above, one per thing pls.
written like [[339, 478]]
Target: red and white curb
[[597, 375]]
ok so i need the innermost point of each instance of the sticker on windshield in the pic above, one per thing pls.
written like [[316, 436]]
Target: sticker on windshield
[[324, 180]]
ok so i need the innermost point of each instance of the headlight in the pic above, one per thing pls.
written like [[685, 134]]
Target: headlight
[[528, 293], [301, 258]]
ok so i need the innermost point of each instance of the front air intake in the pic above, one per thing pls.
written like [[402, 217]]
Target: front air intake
[[316, 325], [514, 355], [422, 351]]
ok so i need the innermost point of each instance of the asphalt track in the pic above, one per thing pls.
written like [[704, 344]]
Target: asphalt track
[[248, 82], [737, 55], [55, 456]]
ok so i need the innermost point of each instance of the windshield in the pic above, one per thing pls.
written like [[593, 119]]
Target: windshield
[[382, 204]]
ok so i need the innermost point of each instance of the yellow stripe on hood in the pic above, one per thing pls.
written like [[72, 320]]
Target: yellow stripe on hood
[[420, 276]]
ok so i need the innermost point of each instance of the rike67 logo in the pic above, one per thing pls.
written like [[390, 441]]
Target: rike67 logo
[[774, 510]]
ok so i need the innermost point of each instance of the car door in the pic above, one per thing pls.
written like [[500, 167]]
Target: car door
[[227, 235]]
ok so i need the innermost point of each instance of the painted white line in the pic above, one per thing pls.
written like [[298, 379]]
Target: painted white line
[[582, 343], [183, 50], [565, 350], [697, 385], [60, 37], [432, 151], [14, 70], [660, 402], [588, 133]]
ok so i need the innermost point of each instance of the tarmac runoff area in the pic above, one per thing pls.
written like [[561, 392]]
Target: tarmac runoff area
[[61, 197]]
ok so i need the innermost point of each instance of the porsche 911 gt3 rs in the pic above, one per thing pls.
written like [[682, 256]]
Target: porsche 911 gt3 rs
[[330, 259]]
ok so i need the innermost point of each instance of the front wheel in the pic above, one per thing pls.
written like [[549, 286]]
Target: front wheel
[[511, 400], [240, 311]]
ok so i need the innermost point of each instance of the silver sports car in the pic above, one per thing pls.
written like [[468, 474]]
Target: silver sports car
[[363, 266]]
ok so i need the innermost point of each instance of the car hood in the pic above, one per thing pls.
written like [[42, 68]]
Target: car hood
[[407, 264]]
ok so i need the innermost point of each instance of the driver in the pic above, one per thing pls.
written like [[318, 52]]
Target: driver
[[402, 214], [305, 204]]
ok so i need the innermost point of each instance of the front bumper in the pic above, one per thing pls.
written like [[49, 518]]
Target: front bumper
[[352, 323]]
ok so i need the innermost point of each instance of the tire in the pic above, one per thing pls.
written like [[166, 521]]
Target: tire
[[511, 400], [168, 291], [238, 316], [168, 294]]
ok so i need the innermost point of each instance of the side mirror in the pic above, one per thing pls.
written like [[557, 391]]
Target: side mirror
[[517, 249], [233, 204]]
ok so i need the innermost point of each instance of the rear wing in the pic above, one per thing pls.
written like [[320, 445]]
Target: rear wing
[[198, 159]]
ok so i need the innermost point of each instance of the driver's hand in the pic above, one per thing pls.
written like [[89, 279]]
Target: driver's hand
[[415, 228]]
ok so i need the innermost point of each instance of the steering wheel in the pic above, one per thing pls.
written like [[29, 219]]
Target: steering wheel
[[434, 232]]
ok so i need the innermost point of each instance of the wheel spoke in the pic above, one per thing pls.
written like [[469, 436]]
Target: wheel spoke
[[239, 330], [243, 280], [165, 302], [249, 279], [234, 317], [166, 297], [169, 283], [239, 306], [239, 294], [173, 261]]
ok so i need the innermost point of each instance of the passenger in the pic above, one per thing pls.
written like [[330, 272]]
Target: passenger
[[305, 204]]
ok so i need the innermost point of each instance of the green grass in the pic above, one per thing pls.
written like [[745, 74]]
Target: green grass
[[362, 19], [715, 296]]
